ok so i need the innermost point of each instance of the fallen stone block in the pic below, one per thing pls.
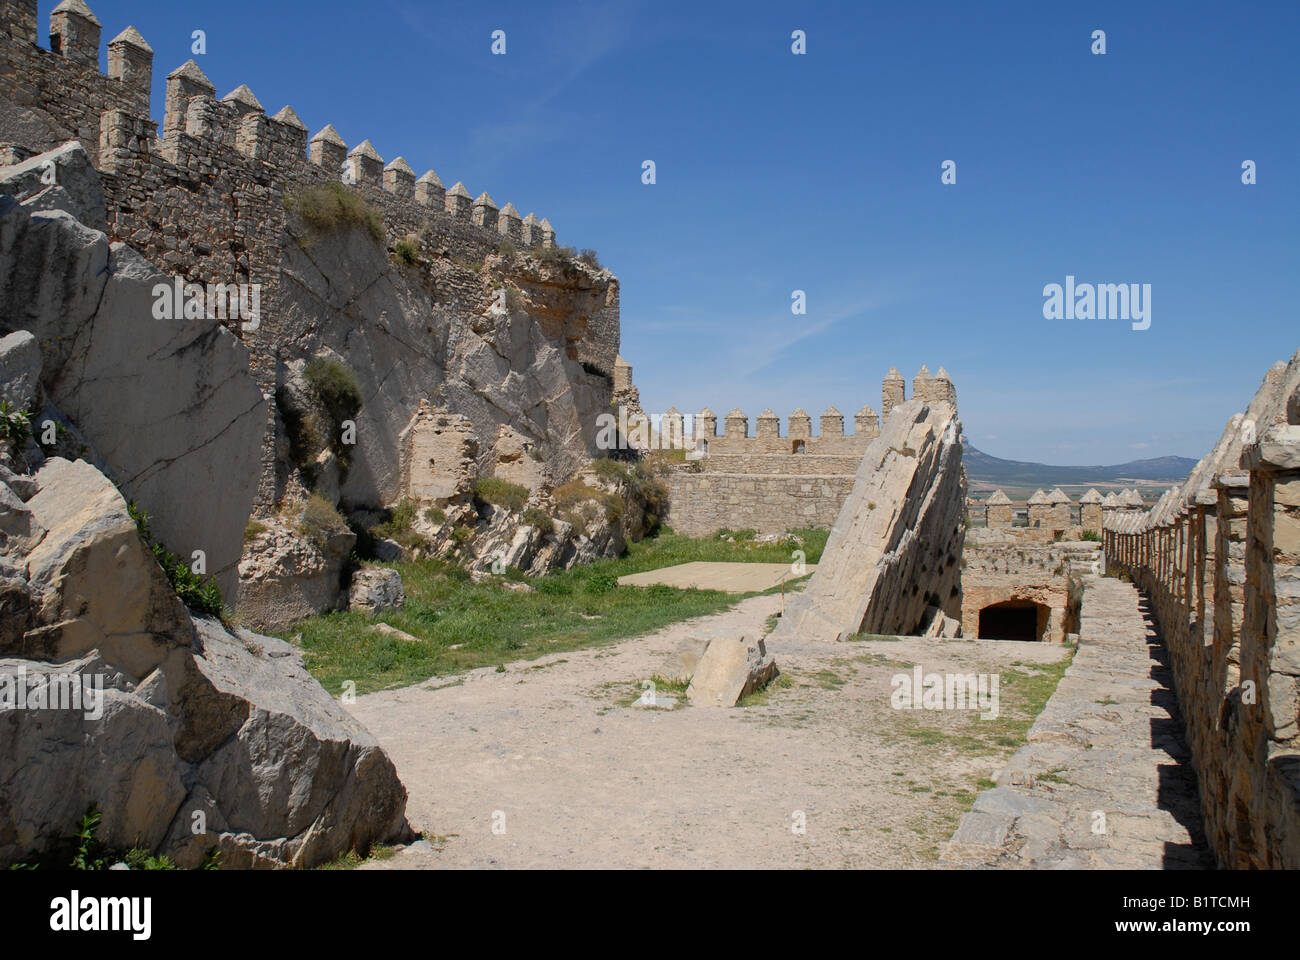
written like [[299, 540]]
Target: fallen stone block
[[731, 668]]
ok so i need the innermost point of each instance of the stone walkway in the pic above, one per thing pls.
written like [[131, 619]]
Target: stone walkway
[[718, 575], [1105, 780]]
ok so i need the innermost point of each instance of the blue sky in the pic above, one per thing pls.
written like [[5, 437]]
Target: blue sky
[[821, 172]]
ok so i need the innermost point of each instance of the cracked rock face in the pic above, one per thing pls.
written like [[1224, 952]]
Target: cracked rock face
[[191, 718], [168, 406], [407, 334]]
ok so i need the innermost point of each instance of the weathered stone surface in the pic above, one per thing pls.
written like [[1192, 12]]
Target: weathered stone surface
[[168, 404], [96, 585], [896, 547], [286, 575], [60, 179], [20, 370], [191, 717], [730, 668], [1105, 780], [376, 590]]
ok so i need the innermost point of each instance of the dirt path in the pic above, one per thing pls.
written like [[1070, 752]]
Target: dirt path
[[1106, 780], [577, 780]]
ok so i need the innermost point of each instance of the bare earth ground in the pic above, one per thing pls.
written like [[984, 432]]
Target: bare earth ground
[[551, 751]]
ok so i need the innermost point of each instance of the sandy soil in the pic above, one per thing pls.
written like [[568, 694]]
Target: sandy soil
[[570, 778]]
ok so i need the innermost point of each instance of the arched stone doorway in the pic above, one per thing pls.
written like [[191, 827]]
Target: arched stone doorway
[[1014, 620]]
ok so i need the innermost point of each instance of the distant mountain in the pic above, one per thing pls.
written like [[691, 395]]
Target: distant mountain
[[980, 467]]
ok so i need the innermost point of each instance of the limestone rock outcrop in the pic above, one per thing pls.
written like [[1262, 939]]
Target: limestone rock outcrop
[[895, 549], [174, 715], [167, 405]]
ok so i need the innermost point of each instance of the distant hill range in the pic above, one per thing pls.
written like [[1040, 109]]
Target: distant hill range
[[982, 468]]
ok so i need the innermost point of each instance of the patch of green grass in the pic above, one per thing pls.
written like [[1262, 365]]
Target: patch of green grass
[[760, 698], [351, 860], [489, 625], [501, 493], [828, 679]]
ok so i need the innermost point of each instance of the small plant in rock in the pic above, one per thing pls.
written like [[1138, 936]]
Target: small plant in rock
[[319, 520], [539, 519], [327, 207], [501, 493], [406, 252], [15, 428], [201, 596], [435, 516]]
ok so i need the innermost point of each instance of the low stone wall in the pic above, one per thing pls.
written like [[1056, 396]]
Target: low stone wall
[[1220, 560], [703, 503], [1014, 565]]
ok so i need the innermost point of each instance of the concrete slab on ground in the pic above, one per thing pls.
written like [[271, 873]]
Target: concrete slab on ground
[[731, 577]]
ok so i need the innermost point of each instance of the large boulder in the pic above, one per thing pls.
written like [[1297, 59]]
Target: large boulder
[[286, 575], [168, 404], [188, 736], [376, 590]]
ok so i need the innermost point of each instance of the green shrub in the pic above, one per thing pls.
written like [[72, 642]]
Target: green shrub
[[254, 530], [406, 251], [1091, 535], [610, 471], [461, 534], [319, 520], [435, 516], [539, 519], [15, 428], [335, 386], [590, 259], [403, 514], [327, 207], [501, 493], [201, 596]]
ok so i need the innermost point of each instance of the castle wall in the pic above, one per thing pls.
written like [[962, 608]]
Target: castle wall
[[205, 198], [1220, 561], [701, 504], [810, 464], [776, 479]]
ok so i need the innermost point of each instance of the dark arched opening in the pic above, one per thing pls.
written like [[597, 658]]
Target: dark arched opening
[[1014, 620]]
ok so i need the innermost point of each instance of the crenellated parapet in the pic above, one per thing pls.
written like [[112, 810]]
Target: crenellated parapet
[[205, 138]]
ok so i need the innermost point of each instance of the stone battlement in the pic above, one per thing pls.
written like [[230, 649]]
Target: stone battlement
[[702, 433], [208, 140]]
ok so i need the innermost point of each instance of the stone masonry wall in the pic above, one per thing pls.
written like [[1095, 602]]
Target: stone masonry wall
[[703, 503], [1220, 559]]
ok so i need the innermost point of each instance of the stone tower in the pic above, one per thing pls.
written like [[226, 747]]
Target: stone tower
[[892, 392]]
